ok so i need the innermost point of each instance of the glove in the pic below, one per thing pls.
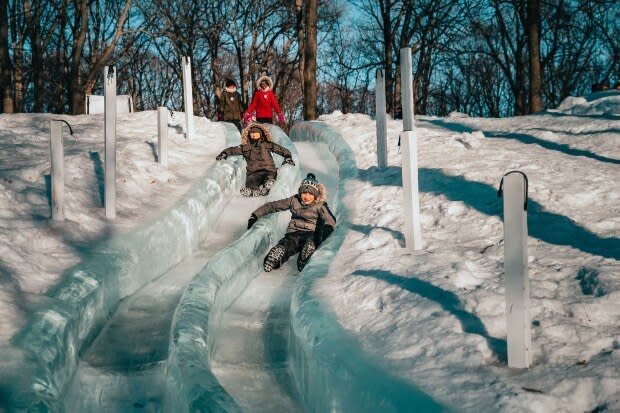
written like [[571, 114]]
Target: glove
[[281, 118], [247, 118], [288, 161], [221, 156], [252, 220]]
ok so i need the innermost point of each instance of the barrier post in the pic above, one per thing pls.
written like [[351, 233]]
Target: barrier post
[[109, 89], [187, 98], [162, 135], [515, 268], [380, 119], [413, 229], [58, 171]]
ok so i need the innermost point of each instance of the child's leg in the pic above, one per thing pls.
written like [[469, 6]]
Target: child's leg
[[270, 179], [307, 249], [253, 182], [279, 254]]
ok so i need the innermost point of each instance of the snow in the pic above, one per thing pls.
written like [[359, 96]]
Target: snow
[[435, 318]]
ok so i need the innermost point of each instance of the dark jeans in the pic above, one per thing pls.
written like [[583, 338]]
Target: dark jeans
[[293, 242], [255, 179]]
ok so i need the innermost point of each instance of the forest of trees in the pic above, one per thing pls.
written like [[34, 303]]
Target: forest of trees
[[480, 57]]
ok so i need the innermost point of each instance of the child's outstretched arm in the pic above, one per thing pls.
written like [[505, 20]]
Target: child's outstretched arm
[[270, 208], [232, 151], [285, 153]]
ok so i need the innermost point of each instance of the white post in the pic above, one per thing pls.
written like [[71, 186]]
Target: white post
[[109, 92], [406, 70], [381, 122], [515, 269], [413, 229], [162, 135], [57, 171], [187, 98], [411, 195]]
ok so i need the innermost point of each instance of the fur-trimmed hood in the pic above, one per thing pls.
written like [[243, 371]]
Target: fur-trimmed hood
[[266, 79], [245, 135], [322, 197]]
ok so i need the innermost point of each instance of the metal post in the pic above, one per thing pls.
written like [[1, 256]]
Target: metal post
[[57, 171], [406, 87], [162, 135], [381, 122], [515, 268], [187, 98], [413, 229], [109, 92]]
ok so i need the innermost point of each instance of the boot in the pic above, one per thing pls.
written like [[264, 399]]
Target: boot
[[304, 256], [273, 260]]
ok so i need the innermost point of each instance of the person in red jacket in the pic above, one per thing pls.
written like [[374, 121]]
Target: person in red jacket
[[264, 102]]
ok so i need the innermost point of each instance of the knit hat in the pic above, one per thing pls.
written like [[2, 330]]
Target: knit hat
[[310, 185]]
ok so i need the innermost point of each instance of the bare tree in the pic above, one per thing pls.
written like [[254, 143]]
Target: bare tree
[[310, 55], [533, 39], [6, 92]]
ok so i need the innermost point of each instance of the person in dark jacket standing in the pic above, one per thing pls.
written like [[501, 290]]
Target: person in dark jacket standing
[[311, 223], [264, 102], [256, 147], [230, 108]]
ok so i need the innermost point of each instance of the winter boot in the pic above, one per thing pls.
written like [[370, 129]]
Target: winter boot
[[273, 260], [306, 252], [264, 189], [245, 191]]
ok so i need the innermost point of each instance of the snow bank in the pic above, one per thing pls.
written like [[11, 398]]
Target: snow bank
[[191, 384], [595, 104], [331, 371], [78, 306]]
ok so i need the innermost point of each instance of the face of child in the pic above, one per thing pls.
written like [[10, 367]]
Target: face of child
[[255, 136], [264, 85], [307, 198]]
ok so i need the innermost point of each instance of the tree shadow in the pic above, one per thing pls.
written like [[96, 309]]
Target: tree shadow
[[99, 177], [448, 301], [153, 150], [547, 226], [560, 147], [367, 229]]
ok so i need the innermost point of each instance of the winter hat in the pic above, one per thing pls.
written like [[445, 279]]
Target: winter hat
[[230, 83], [310, 185]]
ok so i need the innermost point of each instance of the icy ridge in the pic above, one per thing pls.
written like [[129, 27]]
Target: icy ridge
[[330, 369], [191, 385], [79, 305]]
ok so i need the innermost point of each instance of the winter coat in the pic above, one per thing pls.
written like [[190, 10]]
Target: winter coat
[[310, 218], [229, 105], [258, 153], [264, 101]]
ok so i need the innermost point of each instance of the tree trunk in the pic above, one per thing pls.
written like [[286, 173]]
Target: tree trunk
[[310, 88], [76, 88], [6, 92], [533, 36]]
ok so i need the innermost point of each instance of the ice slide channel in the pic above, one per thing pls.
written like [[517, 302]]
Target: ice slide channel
[[78, 308], [274, 348]]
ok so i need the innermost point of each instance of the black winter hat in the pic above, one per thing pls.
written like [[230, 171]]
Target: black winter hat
[[310, 185], [230, 83]]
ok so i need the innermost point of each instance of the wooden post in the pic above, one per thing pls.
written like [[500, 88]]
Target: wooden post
[[57, 171], [381, 122], [162, 135], [187, 98], [515, 269], [413, 228], [109, 92]]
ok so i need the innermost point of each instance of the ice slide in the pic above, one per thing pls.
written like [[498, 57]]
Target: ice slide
[[228, 346]]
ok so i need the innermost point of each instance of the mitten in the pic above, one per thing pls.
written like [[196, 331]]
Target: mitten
[[221, 156], [247, 118], [281, 118], [288, 161], [252, 220]]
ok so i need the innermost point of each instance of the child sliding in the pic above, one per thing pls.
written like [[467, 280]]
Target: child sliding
[[311, 223], [256, 147]]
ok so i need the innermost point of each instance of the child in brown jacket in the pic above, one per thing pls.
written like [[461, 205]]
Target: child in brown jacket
[[256, 147], [311, 223]]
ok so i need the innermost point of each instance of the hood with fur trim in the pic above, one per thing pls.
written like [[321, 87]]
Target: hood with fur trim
[[245, 135], [266, 79], [322, 197]]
